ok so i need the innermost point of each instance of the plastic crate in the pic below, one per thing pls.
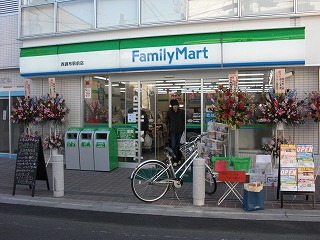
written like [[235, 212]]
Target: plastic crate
[[241, 163], [214, 159]]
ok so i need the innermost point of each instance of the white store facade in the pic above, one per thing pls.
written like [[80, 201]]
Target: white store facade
[[144, 65]]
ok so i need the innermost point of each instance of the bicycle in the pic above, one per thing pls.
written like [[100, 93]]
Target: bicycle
[[151, 179]]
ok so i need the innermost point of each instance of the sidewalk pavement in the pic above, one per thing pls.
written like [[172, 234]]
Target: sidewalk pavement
[[111, 192]]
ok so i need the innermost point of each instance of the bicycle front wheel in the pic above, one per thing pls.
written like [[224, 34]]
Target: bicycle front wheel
[[149, 182], [211, 183]]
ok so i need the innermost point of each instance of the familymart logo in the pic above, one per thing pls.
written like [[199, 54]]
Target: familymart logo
[[169, 56]]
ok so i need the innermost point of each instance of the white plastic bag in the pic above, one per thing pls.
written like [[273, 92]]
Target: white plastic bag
[[147, 141], [183, 137]]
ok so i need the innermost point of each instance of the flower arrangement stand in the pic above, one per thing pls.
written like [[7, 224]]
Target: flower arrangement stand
[[279, 135]]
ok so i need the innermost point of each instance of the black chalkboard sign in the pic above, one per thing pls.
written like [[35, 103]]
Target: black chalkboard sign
[[30, 164]]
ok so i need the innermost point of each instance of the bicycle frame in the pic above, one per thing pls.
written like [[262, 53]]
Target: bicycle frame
[[153, 178], [169, 166]]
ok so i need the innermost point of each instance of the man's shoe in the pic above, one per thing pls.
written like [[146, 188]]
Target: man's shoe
[[180, 162]]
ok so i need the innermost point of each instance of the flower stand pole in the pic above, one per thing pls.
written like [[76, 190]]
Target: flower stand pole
[[279, 136], [53, 129]]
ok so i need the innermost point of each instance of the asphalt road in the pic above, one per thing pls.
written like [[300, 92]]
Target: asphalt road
[[33, 222]]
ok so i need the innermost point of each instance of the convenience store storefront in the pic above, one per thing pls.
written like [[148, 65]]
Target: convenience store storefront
[[125, 76]]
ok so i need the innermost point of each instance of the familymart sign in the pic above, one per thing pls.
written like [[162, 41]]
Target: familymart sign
[[170, 56], [274, 47]]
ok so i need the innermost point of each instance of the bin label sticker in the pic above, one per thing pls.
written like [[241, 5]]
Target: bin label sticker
[[100, 145], [85, 144], [71, 144]]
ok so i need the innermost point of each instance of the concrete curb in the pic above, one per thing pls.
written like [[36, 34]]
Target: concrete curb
[[151, 209]]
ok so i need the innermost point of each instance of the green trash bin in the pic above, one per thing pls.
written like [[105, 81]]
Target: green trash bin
[[105, 149], [86, 149], [72, 154]]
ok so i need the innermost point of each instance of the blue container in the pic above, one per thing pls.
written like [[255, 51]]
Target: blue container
[[253, 200]]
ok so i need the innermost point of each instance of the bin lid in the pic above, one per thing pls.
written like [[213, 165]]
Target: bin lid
[[75, 129], [88, 129], [103, 129]]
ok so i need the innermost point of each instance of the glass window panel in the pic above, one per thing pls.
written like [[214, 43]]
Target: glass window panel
[[200, 9], [308, 5], [113, 13], [260, 7], [37, 20], [75, 15], [16, 131], [253, 138], [128, 103], [162, 11], [25, 2], [96, 100]]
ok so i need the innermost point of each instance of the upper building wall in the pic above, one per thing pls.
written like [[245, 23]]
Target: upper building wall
[[9, 43]]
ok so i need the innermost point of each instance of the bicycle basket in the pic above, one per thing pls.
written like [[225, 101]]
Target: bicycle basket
[[188, 148]]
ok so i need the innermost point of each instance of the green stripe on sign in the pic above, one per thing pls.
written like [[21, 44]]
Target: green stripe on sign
[[89, 47], [178, 40], [192, 39], [263, 35], [38, 51]]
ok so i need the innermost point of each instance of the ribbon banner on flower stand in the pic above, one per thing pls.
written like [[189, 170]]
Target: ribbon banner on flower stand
[[52, 87], [27, 88], [233, 82], [280, 81]]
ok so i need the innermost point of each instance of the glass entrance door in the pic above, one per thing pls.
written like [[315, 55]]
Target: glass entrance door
[[4, 126], [153, 122]]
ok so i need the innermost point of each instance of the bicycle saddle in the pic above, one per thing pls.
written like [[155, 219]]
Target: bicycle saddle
[[169, 151]]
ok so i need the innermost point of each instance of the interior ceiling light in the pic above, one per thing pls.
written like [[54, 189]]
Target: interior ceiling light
[[102, 78], [250, 74], [175, 81], [164, 84], [249, 79]]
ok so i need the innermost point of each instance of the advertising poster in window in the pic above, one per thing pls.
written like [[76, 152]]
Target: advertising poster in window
[[126, 142]]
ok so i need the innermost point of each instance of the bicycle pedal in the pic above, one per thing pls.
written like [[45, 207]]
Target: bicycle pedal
[[177, 183]]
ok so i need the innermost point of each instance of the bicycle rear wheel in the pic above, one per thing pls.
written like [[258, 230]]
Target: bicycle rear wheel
[[211, 183], [149, 182]]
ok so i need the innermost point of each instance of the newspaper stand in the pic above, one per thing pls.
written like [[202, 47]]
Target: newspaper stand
[[296, 171]]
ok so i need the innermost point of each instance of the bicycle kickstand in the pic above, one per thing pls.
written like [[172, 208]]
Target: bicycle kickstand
[[176, 195]]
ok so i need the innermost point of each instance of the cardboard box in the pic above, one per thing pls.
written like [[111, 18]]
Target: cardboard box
[[257, 177], [263, 164]]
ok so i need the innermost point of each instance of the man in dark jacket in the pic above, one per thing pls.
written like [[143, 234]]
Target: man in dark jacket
[[176, 122]]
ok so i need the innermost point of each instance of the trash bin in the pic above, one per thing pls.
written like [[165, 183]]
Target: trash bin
[[72, 156], [86, 149], [105, 149]]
